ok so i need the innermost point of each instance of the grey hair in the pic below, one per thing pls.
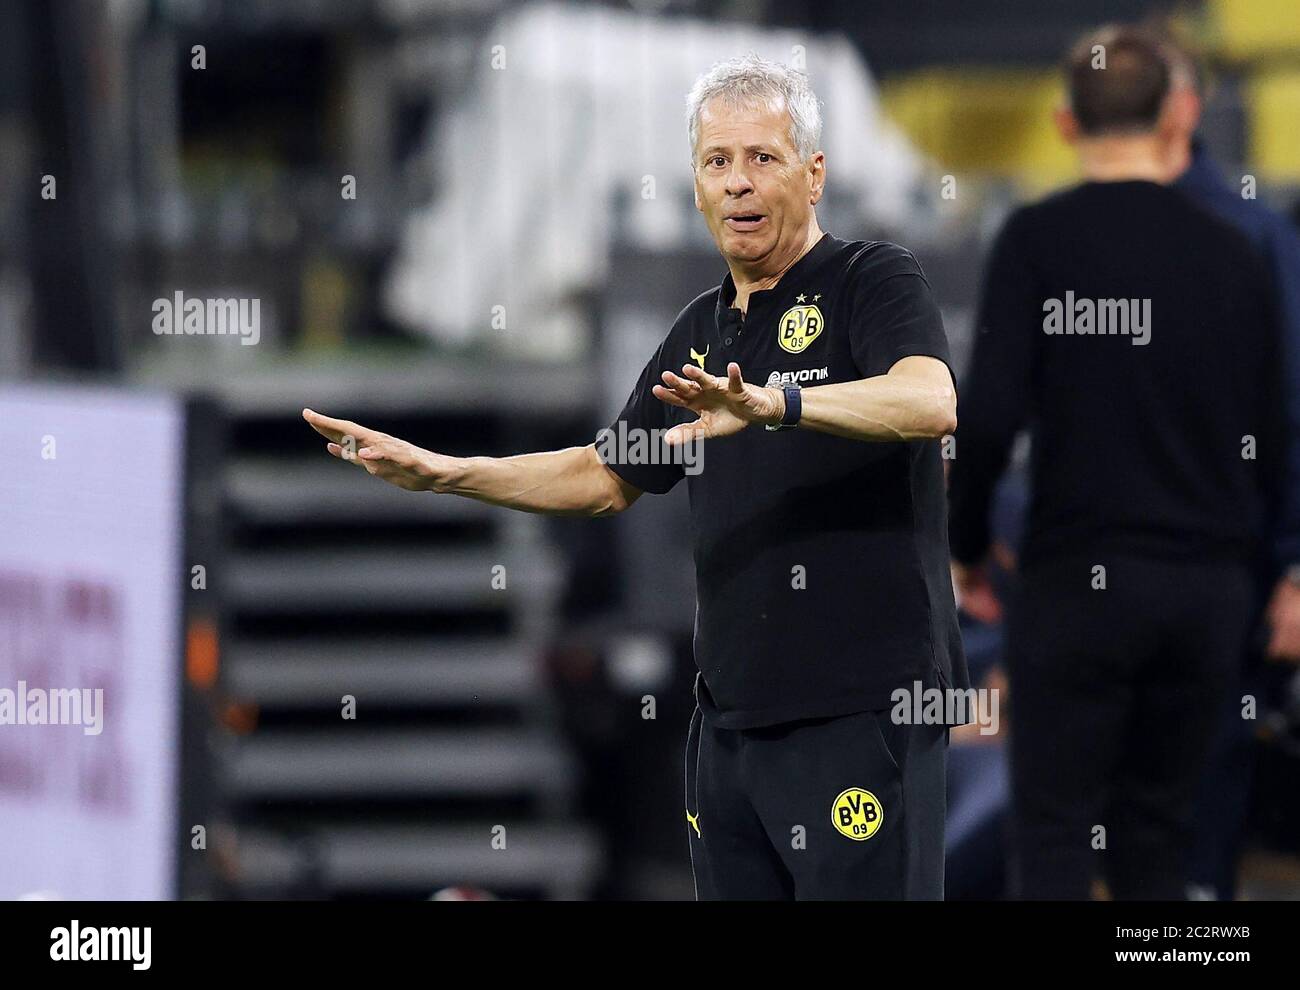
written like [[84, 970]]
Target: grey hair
[[749, 80]]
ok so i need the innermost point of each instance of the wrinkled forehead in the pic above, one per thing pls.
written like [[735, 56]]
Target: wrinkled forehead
[[727, 121]]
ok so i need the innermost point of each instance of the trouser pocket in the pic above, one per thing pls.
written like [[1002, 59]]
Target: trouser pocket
[[692, 761], [891, 741]]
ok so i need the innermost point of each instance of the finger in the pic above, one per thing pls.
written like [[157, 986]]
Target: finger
[[322, 424], [343, 453], [335, 429], [685, 433], [669, 396], [681, 386], [734, 382], [699, 376]]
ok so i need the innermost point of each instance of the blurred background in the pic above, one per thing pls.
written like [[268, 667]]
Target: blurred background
[[466, 223]]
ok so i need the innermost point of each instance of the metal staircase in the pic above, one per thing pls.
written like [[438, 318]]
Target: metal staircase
[[334, 585]]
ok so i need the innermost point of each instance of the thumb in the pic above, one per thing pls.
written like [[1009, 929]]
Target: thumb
[[685, 433]]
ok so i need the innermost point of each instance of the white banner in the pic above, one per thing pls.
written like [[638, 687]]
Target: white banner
[[90, 658]]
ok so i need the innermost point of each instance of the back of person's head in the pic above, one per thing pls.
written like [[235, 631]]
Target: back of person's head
[[1119, 76]]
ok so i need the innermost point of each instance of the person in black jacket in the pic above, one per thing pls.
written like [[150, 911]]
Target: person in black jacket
[[1133, 334]]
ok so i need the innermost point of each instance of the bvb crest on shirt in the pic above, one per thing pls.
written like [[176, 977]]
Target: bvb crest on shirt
[[799, 327]]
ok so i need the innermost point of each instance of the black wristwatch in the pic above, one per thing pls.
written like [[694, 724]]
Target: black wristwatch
[[793, 409]]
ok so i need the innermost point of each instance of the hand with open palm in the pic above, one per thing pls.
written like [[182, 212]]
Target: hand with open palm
[[724, 405]]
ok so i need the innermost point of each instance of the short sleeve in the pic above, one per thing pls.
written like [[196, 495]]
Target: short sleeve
[[894, 312], [632, 446]]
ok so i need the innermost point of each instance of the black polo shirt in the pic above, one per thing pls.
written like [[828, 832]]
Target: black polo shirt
[[821, 562]]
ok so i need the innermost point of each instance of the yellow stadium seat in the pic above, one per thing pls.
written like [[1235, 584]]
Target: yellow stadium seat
[[985, 120], [1243, 29], [1273, 114]]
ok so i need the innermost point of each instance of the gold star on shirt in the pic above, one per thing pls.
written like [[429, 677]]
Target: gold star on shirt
[[800, 298]]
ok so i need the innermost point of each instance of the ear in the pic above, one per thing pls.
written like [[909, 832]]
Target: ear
[[695, 190], [1183, 110], [816, 177], [1067, 125]]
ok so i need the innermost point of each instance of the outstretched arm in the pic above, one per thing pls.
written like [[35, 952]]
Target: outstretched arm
[[914, 401], [570, 482]]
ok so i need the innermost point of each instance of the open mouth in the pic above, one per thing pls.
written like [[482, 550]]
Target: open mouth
[[746, 221]]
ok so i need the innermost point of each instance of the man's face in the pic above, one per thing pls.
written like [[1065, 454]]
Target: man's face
[[755, 193]]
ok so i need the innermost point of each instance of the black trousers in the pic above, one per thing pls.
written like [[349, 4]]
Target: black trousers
[[1114, 697], [845, 808]]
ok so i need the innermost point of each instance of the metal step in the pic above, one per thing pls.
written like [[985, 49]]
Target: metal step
[[353, 578], [356, 762], [267, 491], [351, 385], [562, 859], [301, 673]]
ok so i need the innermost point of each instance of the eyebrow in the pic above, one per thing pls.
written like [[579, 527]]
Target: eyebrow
[[715, 149]]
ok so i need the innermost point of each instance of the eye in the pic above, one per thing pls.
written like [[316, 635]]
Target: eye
[[763, 157], [717, 161]]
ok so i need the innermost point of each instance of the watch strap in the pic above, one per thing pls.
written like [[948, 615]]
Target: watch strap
[[793, 409]]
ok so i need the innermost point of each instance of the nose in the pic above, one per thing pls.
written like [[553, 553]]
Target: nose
[[738, 180]]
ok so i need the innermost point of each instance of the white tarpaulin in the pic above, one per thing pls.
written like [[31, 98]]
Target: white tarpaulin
[[570, 107]]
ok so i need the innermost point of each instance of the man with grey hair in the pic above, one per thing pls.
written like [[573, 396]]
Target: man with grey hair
[[825, 622]]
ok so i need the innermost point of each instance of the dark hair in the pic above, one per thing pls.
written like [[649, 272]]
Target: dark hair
[[1128, 93]]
